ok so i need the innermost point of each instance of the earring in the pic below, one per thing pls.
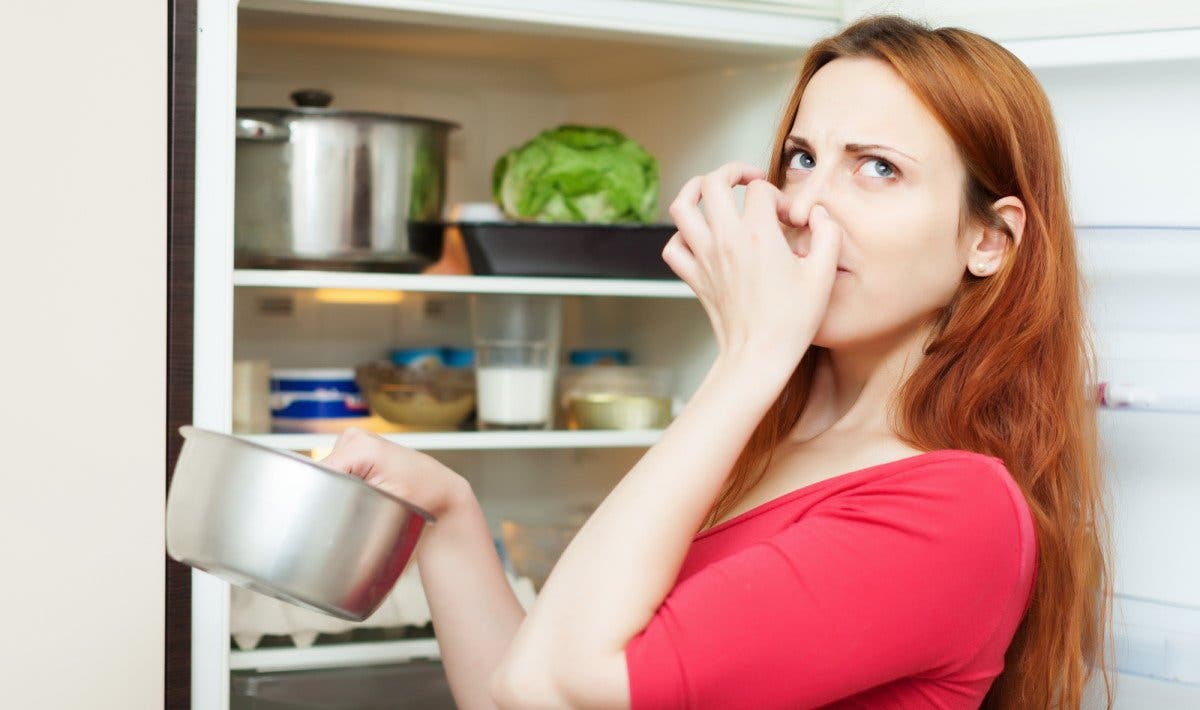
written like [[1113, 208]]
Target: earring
[[979, 267]]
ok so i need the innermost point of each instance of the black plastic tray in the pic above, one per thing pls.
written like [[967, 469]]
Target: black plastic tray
[[628, 251]]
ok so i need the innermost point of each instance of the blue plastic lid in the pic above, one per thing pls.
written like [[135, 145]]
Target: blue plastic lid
[[458, 357], [409, 357], [313, 379], [599, 356]]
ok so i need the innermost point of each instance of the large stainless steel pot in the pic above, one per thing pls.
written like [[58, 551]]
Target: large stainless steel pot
[[361, 190], [284, 525]]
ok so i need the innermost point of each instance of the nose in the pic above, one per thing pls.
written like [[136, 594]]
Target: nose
[[813, 189]]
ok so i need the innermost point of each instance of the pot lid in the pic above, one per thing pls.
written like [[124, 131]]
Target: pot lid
[[315, 102]]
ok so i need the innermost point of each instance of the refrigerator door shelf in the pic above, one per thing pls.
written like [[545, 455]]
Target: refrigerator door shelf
[[1157, 639], [1123, 395]]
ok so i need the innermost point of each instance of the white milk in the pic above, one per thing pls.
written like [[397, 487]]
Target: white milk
[[514, 396]]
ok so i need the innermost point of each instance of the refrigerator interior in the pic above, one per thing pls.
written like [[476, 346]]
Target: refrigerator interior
[[1128, 134], [504, 87]]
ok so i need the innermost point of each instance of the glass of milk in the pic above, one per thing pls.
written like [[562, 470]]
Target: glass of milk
[[516, 359]]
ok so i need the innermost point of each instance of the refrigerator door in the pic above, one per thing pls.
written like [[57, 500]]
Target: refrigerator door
[[1144, 307]]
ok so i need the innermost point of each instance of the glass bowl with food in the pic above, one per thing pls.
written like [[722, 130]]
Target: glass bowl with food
[[428, 398]]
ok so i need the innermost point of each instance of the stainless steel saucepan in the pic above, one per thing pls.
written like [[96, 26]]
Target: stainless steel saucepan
[[284, 525], [318, 187]]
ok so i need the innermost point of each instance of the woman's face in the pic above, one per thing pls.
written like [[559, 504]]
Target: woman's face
[[898, 200]]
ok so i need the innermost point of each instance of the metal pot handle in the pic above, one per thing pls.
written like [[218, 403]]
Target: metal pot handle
[[311, 98], [258, 130]]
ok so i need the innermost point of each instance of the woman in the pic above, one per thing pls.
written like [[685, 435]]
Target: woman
[[885, 493]]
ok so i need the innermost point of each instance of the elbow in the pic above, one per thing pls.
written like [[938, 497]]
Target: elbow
[[501, 690], [498, 692], [524, 690]]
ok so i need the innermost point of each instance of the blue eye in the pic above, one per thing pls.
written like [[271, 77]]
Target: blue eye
[[887, 169], [795, 152]]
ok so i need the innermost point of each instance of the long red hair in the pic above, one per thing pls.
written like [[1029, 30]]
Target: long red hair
[[1009, 369]]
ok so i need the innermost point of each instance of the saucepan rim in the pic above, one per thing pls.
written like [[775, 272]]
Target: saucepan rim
[[187, 429]]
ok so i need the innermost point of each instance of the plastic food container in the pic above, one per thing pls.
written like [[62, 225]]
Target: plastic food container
[[319, 399], [417, 358], [616, 397], [534, 548], [598, 356], [430, 398], [618, 411], [533, 545], [437, 356], [458, 357]]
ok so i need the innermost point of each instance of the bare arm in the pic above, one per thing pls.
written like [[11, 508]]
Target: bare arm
[[475, 613], [624, 560], [765, 302]]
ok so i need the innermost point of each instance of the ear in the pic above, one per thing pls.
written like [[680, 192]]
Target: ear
[[991, 244]]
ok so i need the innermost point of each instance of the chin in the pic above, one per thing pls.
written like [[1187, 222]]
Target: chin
[[832, 334], [841, 329], [844, 329]]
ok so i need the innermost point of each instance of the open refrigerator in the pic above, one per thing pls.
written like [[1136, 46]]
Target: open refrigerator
[[697, 83]]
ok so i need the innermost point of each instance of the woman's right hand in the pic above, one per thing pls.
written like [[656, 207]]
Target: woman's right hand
[[471, 602], [403, 472]]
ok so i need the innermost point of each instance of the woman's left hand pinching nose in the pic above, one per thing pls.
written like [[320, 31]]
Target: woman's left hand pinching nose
[[764, 299]]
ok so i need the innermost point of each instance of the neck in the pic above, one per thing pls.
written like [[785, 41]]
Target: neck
[[854, 385]]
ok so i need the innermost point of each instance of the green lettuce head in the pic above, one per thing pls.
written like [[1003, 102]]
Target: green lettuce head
[[577, 173]]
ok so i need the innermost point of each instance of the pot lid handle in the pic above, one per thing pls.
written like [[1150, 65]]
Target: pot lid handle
[[312, 98]]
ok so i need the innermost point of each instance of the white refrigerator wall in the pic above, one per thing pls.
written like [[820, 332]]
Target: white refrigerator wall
[[1130, 138], [1129, 134]]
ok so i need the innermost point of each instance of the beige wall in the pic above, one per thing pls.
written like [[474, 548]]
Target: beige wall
[[82, 352]]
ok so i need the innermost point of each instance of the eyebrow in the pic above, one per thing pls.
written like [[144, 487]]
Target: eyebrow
[[802, 142]]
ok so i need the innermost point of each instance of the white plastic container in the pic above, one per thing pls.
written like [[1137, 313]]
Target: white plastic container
[[251, 396], [317, 399]]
